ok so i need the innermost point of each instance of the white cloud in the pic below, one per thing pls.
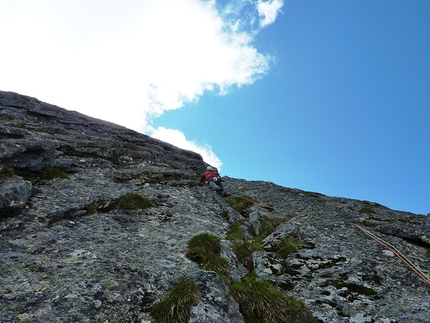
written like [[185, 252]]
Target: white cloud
[[178, 139], [130, 61], [269, 10]]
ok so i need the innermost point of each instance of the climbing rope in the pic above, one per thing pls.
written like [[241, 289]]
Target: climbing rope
[[264, 205], [399, 255]]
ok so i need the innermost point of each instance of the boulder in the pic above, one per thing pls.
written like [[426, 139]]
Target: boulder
[[14, 193]]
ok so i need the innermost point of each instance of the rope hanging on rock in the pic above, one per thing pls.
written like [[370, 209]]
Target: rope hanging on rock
[[399, 255]]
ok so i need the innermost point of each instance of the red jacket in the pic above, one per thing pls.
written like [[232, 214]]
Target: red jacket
[[208, 175]]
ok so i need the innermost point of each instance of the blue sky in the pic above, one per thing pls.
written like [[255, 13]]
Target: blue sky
[[325, 96], [344, 110]]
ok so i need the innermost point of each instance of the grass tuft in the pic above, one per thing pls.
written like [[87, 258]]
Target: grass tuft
[[176, 306], [205, 250], [221, 266], [235, 232], [260, 301], [203, 247]]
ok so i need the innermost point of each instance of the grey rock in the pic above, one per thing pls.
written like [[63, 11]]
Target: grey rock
[[14, 194], [216, 306], [418, 231], [237, 270], [70, 253], [254, 220], [340, 273]]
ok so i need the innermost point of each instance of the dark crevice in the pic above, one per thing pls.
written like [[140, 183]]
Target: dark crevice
[[417, 242], [414, 241], [9, 212], [11, 136]]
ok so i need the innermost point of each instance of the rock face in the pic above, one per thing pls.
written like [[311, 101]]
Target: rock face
[[72, 251]]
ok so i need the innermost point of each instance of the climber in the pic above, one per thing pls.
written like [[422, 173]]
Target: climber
[[212, 178]]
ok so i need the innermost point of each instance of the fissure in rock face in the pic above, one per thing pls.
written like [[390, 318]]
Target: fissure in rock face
[[99, 223]]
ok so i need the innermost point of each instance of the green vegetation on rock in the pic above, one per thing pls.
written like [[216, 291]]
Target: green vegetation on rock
[[287, 246], [269, 224], [235, 232], [260, 301], [316, 196], [203, 247], [369, 223], [134, 201], [131, 146], [176, 306], [49, 172], [244, 250], [366, 209], [224, 214], [7, 172], [91, 208], [20, 125], [241, 203], [219, 265]]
